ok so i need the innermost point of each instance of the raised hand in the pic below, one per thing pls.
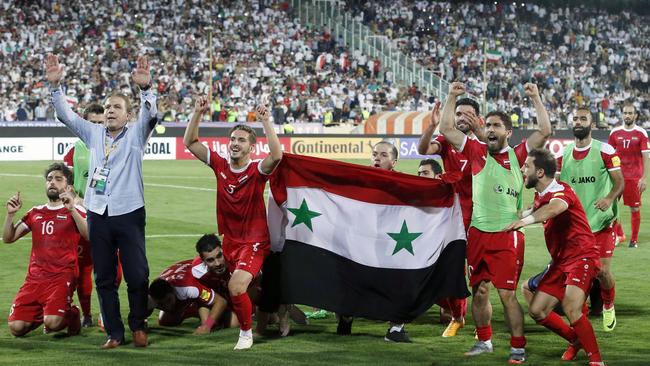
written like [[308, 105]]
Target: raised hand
[[201, 105], [456, 88], [140, 74], [262, 113], [53, 70], [475, 121], [435, 115], [531, 90], [14, 204], [68, 198]]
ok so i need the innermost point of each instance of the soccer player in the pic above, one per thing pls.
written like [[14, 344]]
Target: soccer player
[[632, 146], [574, 254], [593, 171], [466, 110], [115, 196], [180, 296], [495, 256], [241, 213], [45, 297], [77, 158]]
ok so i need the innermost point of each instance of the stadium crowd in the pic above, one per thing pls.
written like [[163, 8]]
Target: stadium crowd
[[259, 52], [577, 55]]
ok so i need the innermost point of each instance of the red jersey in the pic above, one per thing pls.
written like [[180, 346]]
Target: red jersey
[[241, 213], [186, 287], [54, 241], [455, 161], [630, 146], [607, 152], [476, 151], [68, 158], [218, 283], [568, 235]]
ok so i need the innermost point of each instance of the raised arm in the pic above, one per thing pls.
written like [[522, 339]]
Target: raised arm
[[426, 146], [78, 125], [447, 127], [11, 232], [275, 148], [147, 118], [538, 139], [191, 137]]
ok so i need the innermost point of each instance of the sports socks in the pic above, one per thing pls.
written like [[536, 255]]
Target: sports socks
[[554, 323], [636, 223], [243, 308], [608, 296], [587, 338]]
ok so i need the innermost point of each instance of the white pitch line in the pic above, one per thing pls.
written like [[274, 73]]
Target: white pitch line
[[154, 236], [180, 187]]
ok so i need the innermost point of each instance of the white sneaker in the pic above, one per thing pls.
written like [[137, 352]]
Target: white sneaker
[[244, 342]]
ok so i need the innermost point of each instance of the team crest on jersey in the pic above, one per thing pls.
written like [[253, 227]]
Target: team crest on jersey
[[205, 295], [61, 217]]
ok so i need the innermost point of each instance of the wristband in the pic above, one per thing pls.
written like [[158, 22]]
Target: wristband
[[527, 212], [528, 220], [209, 322]]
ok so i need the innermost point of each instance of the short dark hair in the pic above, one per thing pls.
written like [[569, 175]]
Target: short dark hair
[[67, 172], [207, 243], [504, 117], [159, 288], [252, 136], [435, 166], [469, 102], [392, 146], [94, 108], [586, 109], [544, 160]]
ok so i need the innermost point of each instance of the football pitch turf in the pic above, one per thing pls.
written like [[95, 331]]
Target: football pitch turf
[[180, 204]]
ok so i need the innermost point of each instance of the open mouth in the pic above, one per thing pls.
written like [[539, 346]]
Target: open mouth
[[492, 138], [376, 165]]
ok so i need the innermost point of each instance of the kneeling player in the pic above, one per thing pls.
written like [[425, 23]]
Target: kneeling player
[[573, 250], [45, 297], [180, 296]]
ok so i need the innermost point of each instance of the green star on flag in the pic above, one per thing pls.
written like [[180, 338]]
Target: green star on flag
[[303, 215], [404, 239]]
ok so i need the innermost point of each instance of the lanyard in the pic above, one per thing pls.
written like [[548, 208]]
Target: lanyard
[[108, 150]]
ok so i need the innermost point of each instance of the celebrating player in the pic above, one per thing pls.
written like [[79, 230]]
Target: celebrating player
[[241, 213], [465, 119], [180, 296], [592, 169], [495, 256], [632, 146], [45, 297], [574, 254]]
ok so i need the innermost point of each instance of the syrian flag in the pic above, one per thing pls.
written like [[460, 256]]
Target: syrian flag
[[364, 242], [493, 56]]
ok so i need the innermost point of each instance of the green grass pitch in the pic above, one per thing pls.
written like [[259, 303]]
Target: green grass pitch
[[180, 203]]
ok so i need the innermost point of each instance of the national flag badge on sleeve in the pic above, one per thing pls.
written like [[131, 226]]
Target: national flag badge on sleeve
[[205, 295]]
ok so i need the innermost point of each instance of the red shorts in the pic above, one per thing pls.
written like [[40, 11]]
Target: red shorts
[[45, 297], [606, 241], [248, 257], [495, 257], [580, 273], [631, 194]]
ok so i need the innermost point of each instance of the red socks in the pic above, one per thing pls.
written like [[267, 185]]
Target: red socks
[[636, 223], [554, 323], [619, 229], [85, 288], [587, 338], [518, 342], [243, 308], [484, 333], [458, 308], [608, 296]]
